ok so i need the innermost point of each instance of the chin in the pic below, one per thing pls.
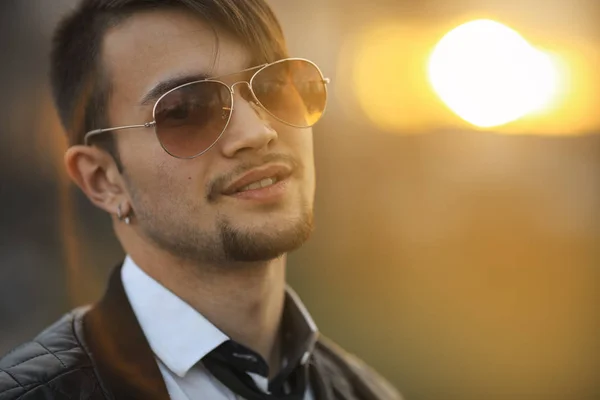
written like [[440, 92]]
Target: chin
[[267, 242]]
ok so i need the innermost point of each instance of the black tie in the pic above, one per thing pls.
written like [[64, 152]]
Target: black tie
[[240, 383]]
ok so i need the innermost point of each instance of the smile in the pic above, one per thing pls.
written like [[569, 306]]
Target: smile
[[259, 178], [263, 183]]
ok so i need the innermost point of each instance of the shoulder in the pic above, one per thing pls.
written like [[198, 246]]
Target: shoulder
[[54, 365], [365, 381]]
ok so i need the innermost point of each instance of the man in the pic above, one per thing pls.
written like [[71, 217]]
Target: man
[[189, 124]]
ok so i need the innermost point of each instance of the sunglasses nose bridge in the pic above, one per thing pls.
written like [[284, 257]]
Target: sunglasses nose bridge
[[239, 83], [232, 87], [251, 97]]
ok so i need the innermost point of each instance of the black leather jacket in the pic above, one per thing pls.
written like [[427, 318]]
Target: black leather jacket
[[100, 352]]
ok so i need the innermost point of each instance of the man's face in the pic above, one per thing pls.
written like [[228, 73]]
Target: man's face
[[185, 206]]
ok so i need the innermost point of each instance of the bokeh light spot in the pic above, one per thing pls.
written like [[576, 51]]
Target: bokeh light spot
[[489, 75]]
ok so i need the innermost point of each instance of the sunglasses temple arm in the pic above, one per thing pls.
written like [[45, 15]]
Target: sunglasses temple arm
[[95, 132]]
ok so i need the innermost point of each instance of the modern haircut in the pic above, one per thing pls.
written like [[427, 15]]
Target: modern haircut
[[81, 86]]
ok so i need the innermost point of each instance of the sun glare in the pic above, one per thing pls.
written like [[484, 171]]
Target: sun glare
[[489, 75]]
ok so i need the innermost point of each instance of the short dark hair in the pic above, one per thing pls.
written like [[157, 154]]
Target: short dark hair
[[80, 85]]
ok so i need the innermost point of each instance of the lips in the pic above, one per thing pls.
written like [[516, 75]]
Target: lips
[[258, 177]]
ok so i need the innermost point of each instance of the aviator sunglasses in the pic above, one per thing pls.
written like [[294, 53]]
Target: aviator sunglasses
[[190, 119]]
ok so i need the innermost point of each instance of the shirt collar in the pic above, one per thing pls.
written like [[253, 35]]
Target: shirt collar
[[173, 328]]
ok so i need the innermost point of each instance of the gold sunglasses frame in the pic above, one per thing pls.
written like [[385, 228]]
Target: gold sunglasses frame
[[258, 68]]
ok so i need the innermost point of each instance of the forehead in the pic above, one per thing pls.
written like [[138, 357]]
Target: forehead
[[152, 46]]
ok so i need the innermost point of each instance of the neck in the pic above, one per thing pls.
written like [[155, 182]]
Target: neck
[[245, 301]]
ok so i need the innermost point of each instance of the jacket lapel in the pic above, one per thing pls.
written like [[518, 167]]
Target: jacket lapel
[[123, 357]]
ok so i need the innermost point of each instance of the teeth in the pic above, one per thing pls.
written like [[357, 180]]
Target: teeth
[[255, 185], [260, 184], [267, 182]]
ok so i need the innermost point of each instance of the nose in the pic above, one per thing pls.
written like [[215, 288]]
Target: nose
[[249, 128]]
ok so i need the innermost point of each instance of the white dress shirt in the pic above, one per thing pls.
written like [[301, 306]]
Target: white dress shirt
[[180, 337]]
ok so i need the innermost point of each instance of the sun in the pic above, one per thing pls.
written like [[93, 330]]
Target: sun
[[489, 75]]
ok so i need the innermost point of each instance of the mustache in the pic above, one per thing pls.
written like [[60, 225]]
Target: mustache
[[215, 187]]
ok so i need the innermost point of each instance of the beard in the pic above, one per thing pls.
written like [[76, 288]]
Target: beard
[[231, 244], [266, 243], [226, 242]]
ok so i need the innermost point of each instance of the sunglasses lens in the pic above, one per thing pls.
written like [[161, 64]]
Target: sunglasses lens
[[293, 91], [190, 119]]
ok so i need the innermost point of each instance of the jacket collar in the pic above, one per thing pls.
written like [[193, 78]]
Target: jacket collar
[[119, 348]]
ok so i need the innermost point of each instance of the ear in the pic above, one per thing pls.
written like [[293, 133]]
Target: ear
[[96, 173]]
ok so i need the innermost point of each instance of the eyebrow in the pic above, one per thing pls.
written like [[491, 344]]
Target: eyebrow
[[171, 83]]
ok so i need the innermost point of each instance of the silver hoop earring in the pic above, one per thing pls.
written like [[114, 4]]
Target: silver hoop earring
[[120, 216]]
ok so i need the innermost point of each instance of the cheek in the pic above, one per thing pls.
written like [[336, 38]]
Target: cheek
[[139, 149], [301, 145], [159, 179], [303, 141], [299, 141], [182, 182]]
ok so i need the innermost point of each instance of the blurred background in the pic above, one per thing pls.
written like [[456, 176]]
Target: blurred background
[[458, 225]]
